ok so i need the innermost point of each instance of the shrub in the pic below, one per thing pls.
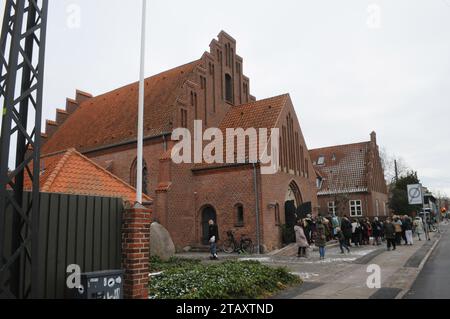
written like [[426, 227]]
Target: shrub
[[229, 280]]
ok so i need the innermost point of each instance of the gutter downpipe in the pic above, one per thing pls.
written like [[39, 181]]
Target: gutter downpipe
[[258, 230]]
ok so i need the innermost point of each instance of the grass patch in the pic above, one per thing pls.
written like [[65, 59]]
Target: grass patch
[[188, 279], [156, 264]]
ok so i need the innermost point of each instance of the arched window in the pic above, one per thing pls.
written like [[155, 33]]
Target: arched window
[[228, 88], [133, 176], [277, 215], [239, 209]]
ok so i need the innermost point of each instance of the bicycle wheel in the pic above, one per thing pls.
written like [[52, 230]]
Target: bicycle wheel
[[247, 246], [228, 246]]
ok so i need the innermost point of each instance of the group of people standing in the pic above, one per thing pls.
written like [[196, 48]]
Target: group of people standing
[[403, 228], [356, 232]]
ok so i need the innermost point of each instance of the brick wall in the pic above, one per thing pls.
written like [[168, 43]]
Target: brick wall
[[135, 252], [123, 157], [223, 190]]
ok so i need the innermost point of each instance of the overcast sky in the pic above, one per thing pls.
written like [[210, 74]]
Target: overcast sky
[[351, 66]]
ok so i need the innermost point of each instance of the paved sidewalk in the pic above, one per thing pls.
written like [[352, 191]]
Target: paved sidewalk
[[345, 277]]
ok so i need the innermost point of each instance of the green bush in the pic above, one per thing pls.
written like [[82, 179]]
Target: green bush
[[229, 280]]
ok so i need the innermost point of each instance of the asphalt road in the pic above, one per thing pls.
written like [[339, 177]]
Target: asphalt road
[[434, 280]]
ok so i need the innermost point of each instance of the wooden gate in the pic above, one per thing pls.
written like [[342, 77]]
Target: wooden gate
[[80, 230]]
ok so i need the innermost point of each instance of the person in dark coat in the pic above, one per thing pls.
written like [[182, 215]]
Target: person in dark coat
[[404, 226], [366, 229], [342, 241], [347, 229], [356, 233], [377, 231], [389, 234], [359, 233], [408, 227], [213, 237], [321, 239]]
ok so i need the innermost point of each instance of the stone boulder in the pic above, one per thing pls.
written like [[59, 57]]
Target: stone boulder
[[161, 244]]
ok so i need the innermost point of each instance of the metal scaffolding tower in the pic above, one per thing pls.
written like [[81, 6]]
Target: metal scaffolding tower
[[22, 51]]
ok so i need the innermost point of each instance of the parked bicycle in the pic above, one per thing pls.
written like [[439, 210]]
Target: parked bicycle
[[231, 245], [433, 228]]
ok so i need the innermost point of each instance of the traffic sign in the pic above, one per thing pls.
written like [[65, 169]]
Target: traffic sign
[[415, 194]]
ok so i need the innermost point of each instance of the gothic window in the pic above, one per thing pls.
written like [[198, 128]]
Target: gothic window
[[239, 215], [213, 74], [246, 91], [184, 118], [133, 176], [306, 168], [228, 88], [194, 103], [277, 215], [226, 54]]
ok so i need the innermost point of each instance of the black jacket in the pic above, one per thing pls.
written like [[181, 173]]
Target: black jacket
[[340, 236], [377, 229], [407, 224], [213, 230], [347, 228], [389, 231]]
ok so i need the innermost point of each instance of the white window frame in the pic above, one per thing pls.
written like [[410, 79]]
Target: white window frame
[[354, 205], [332, 207]]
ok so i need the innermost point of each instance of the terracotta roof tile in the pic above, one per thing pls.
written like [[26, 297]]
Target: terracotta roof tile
[[344, 169], [72, 173], [112, 117], [259, 114]]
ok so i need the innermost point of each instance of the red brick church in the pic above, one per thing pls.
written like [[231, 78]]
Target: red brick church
[[185, 196]]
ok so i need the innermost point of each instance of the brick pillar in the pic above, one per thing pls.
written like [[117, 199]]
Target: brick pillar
[[135, 251]]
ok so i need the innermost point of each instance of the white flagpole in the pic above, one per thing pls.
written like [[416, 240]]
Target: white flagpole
[[140, 139]]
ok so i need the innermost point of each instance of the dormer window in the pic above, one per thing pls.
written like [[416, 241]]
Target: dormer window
[[319, 182], [228, 88], [321, 160]]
